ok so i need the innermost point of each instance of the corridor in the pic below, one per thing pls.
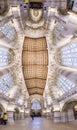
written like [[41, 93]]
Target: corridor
[[39, 124], [38, 64]]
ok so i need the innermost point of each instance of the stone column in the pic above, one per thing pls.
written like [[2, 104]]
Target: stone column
[[52, 115], [19, 116], [10, 117], [22, 115], [57, 116], [64, 117], [70, 115]]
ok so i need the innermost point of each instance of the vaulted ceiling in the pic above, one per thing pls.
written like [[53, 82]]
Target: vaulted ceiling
[[42, 59], [35, 61]]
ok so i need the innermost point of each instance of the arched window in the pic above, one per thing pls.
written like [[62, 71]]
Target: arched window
[[64, 83], [5, 57], [8, 31], [6, 82], [68, 55], [36, 105]]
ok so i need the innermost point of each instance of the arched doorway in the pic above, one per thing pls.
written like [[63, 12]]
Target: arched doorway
[[70, 4], [71, 109], [36, 108]]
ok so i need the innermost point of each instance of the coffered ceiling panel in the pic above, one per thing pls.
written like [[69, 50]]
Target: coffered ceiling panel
[[35, 91], [35, 71], [38, 83], [35, 61], [35, 45], [35, 58]]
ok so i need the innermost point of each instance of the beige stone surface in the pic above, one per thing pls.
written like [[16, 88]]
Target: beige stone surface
[[39, 124]]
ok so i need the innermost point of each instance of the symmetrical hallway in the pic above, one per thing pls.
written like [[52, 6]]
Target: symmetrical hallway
[[39, 124], [38, 64]]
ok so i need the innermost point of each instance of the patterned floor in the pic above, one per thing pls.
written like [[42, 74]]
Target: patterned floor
[[39, 124]]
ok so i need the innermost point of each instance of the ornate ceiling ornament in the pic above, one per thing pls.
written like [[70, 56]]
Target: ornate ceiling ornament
[[35, 25], [36, 15], [35, 19]]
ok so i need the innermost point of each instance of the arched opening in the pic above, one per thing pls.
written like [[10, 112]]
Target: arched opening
[[36, 108], [70, 4], [71, 109], [3, 6]]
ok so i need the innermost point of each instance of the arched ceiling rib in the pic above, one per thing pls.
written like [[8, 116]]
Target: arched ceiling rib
[[32, 83]]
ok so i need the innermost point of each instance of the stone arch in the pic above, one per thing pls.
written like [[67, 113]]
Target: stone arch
[[4, 7], [38, 98], [69, 104], [35, 101], [69, 109], [36, 108]]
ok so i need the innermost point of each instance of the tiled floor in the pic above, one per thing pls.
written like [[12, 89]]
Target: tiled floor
[[39, 124]]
